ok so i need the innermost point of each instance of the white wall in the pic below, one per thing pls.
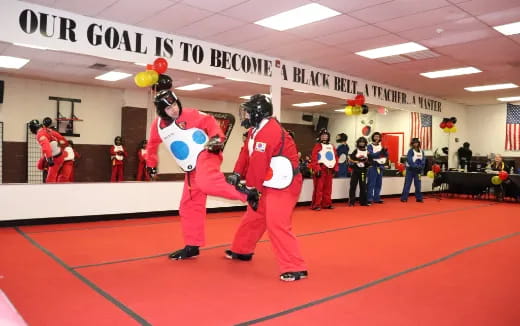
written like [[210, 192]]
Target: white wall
[[488, 129]]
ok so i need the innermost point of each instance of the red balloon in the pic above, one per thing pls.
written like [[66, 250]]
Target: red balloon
[[442, 125], [359, 99], [351, 102], [436, 168], [149, 67], [160, 65], [503, 175], [449, 124], [401, 167]]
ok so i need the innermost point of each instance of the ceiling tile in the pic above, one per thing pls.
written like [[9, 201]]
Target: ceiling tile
[[372, 43], [501, 17], [175, 17], [351, 35], [482, 7], [131, 11], [270, 40], [239, 35], [213, 5], [396, 8], [209, 26], [327, 26], [254, 10], [81, 7], [351, 5], [486, 51]]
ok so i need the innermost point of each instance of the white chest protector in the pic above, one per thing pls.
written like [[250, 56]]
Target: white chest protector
[[417, 156], [184, 144], [55, 147], [326, 156], [281, 172], [70, 153], [378, 148], [118, 148], [359, 155]]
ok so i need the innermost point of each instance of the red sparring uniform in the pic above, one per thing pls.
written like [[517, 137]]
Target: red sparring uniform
[[52, 144], [67, 169], [205, 179], [118, 154], [276, 206], [141, 168], [322, 195]]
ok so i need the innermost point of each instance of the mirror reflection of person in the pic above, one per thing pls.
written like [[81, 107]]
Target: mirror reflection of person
[[68, 164], [117, 155], [464, 154], [142, 174]]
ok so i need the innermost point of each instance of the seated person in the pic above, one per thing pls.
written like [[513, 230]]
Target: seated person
[[497, 165]]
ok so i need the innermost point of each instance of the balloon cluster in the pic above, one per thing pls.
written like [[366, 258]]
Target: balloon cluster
[[448, 124], [497, 179], [401, 168], [356, 106], [436, 168], [152, 74]]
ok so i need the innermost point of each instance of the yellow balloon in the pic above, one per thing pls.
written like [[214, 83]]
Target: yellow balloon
[[141, 79], [446, 129], [453, 129], [153, 75], [356, 110], [404, 173], [430, 174], [496, 180], [348, 110]]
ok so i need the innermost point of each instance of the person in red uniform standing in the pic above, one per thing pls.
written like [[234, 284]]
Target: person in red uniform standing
[[269, 163], [117, 155], [68, 164], [324, 162], [141, 167], [196, 142], [52, 144]]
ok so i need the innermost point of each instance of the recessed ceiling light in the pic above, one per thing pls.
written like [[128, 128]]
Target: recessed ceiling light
[[140, 64], [339, 110], [193, 87], [12, 62], [307, 104], [300, 91], [388, 51], [509, 99], [303, 15], [509, 29], [113, 76], [236, 79], [451, 72], [31, 46], [490, 87]]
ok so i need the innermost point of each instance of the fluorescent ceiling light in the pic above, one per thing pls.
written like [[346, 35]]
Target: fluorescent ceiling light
[[300, 91], [509, 29], [307, 104], [193, 87], [451, 72], [236, 79], [31, 46], [388, 51], [490, 87], [140, 64], [509, 99], [303, 15], [12, 62], [339, 110], [113, 76]]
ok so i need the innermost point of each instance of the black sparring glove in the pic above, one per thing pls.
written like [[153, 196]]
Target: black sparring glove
[[50, 161], [152, 172], [215, 145], [233, 179]]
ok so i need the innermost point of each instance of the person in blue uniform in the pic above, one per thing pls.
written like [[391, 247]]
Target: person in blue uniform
[[342, 151], [378, 155], [415, 161]]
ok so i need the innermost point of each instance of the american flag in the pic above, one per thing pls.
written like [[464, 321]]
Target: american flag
[[513, 127], [422, 129]]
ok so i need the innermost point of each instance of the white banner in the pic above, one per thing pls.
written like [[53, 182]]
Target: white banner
[[59, 30]]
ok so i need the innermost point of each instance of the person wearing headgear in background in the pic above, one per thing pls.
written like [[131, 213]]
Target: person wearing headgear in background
[[268, 162], [52, 144], [415, 162], [324, 163], [464, 154], [378, 156], [142, 174], [196, 141], [342, 151], [118, 154], [359, 161]]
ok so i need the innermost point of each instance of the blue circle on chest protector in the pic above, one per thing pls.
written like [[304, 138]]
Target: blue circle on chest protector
[[199, 137], [180, 150], [319, 156], [329, 156]]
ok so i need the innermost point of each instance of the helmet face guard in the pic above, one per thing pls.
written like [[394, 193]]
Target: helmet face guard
[[252, 112], [341, 138], [324, 132], [361, 140], [34, 126], [165, 99]]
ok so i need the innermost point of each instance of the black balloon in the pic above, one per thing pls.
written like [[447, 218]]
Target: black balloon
[[365, 109], [164, 82], [445, 120], [453, 119]]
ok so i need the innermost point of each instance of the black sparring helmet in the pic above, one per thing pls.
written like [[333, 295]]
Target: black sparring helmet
[[34, 125], [361, 140], [258, 107], [47, 122], [164, 99], [415, 140], [324, 131], [376, 133], [341, 137], [118, 138]]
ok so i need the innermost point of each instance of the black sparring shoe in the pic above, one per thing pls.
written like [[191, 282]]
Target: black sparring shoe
[[379, 202], [184, 253], [253, 196], [293, 276], [404, 200], [233, 255], [419, 201], [329, 207]]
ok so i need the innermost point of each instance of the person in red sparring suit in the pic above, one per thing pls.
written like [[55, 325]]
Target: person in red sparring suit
[[324, 162], [141, 157], [269, 162], [117, 155], [196, 142], [68, 164], [51, 143]]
